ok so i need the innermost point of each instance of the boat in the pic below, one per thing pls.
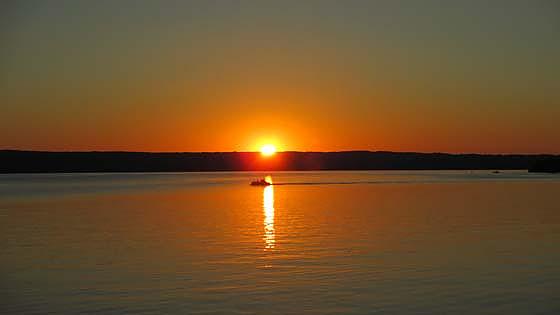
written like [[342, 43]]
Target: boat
[[260, 182]]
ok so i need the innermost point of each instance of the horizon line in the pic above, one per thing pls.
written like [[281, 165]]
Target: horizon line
[[278, 152]]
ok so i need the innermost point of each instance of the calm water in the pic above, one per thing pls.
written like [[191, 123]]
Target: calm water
[[317, 243]]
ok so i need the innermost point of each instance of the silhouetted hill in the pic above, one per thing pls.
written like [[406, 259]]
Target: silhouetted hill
[[548, 165], [12, 161]]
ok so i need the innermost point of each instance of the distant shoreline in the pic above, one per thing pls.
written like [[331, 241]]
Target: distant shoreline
[[15, 161]]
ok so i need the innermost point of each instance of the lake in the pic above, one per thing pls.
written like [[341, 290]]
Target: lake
[[364, 242]]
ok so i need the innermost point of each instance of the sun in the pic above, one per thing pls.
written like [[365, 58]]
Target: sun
[[268, 150]]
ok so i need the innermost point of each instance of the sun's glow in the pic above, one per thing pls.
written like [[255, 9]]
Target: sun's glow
[[268, 149]]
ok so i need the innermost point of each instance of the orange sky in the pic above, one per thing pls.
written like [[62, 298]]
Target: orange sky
[[204, 77]]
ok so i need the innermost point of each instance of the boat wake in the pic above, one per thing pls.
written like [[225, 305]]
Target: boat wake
[[341, 183]]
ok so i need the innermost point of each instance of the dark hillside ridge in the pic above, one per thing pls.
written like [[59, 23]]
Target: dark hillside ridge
[[548, 165], [12, 161]]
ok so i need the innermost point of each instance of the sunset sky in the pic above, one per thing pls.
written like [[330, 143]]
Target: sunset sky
[[475, 76]]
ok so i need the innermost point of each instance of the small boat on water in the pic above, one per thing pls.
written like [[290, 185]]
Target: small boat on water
[[260, 182]]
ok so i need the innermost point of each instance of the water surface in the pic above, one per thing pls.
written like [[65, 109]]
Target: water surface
[[317, 243]]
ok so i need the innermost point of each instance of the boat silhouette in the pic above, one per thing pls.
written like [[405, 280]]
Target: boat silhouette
[[260, 182]]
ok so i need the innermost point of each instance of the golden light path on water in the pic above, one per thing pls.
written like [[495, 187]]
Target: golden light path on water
[[268, 209]]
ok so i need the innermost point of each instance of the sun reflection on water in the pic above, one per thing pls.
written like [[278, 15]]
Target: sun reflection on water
[[268, 209]]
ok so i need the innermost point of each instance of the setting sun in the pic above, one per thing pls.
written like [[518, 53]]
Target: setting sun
[[268, 149]]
